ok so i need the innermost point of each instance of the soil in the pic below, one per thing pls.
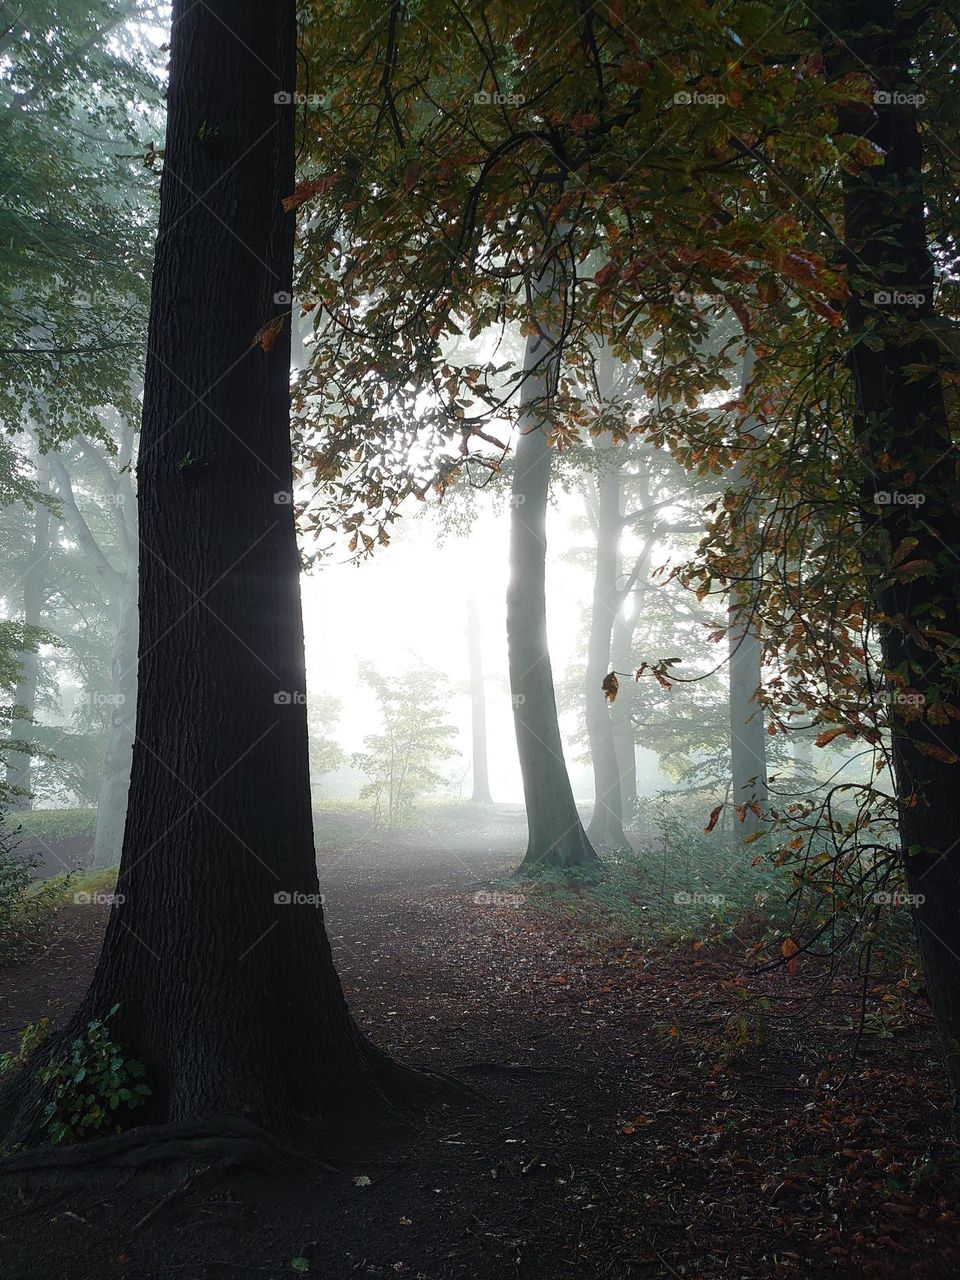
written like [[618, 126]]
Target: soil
[[640, 1117]]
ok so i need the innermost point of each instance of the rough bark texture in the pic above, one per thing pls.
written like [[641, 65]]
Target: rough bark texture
[[225, 980], [33, 585], [748, 741], [478, 708], [606, 824], [555, 834], [906, 447]]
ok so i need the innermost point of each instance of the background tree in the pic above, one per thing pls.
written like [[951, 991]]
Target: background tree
[[401, 761]]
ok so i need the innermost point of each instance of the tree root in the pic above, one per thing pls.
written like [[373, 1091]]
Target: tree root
[[221, 1141]]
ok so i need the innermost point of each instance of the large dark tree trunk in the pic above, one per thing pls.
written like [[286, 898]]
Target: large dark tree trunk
[[217, 953], [555, 834], [478, 708], [33, 585], [606, 824], [908, 455]]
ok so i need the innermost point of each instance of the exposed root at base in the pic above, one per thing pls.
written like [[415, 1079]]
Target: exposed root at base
[[221, 1141]]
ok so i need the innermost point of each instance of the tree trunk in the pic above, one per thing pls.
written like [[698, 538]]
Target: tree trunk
[[621, 713], [748, 742], [555, 834], [33, 584], [909, 461], [478, 708], [606, 824], [215, 949]]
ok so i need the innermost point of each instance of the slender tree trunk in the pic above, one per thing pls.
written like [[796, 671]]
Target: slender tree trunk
[[606, 824], [621, 713], [478, 707], [909, 460], [215, 950], [33, 585], [748, 742], [555, 834]]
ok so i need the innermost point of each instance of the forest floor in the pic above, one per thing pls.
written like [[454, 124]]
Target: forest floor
[[648, 1111]]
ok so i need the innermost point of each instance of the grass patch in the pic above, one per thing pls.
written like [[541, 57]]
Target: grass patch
[[52, 824]]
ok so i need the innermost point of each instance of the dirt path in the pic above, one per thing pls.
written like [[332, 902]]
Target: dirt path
[[620, 1136]]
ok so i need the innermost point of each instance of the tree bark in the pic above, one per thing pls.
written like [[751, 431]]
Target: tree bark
[[224, 977], [33, 584], [748, 741], [478, 708], [555, 834], [606, 824], [907, 452]]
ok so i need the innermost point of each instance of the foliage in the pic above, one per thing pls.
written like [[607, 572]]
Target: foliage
[[326, 754], [26, 908], [91, 1085], [401, 760], [28, 1041]]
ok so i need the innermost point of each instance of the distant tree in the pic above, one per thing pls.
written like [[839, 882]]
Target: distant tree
[[478, 708], [326, 754], [401, 760]]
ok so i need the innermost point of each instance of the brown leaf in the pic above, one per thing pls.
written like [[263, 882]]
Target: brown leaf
[[610, 686]]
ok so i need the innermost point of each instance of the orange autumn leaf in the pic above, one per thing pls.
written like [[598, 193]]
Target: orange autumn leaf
[[789, 949]]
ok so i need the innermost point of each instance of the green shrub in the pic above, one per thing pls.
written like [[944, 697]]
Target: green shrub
[[91, 1085], [27, 906]]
